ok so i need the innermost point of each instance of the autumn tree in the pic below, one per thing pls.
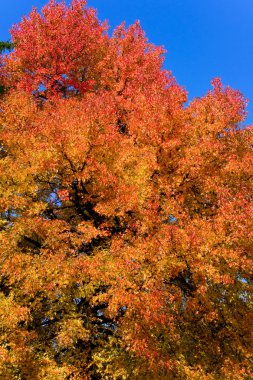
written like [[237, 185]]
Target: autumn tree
[[126, 217]]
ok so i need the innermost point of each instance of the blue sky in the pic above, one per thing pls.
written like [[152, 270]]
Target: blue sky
[[203, 38]]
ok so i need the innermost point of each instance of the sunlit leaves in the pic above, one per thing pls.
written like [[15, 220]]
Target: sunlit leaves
[[126, 218]]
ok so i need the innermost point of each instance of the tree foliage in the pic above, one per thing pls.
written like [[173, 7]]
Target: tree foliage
[[126, 216], [4, 45]]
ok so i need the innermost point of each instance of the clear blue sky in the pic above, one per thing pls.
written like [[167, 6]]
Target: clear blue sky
[[203, 38]]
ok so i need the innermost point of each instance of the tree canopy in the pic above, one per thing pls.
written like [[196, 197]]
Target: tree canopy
[[4, 45], [125, 215]]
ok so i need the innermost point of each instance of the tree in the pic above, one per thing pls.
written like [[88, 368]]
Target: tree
[[126, 216], [4, 45]]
